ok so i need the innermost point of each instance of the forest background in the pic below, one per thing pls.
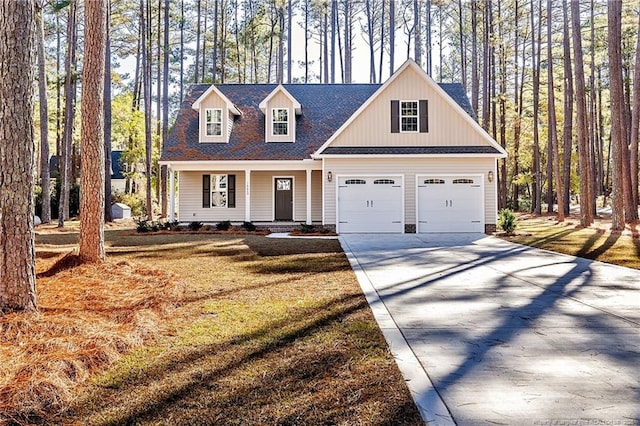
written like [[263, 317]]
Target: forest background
[[552, 81]]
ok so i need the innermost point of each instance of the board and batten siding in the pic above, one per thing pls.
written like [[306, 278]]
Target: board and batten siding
[[446, 127], [262, 197], [409, 168]]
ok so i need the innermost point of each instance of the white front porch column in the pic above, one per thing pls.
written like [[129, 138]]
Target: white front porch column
[[308, 197], [247, 196], [172, 196]]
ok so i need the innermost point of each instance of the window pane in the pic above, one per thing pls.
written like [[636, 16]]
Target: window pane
[[219, 199], [280, 128], [409, 116], [280, 114], [283, 185]]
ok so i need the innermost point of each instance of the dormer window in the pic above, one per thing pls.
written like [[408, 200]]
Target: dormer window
[[280, 121], [409, 116], [213, 121]]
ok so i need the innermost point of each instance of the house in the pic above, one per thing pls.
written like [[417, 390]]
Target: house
[[117, 171], [404, 156]]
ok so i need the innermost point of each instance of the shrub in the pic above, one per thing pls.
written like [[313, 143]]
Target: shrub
[[248, 226], [224, 225], [194, 226], [136, 201], [307, 229], [143, 225], [507, 221]]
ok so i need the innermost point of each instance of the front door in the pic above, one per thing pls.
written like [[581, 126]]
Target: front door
[[284, 199]]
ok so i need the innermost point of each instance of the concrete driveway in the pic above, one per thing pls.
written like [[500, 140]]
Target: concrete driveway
[[506, 334]]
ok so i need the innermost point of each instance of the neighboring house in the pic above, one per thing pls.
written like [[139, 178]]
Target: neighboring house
[[117, 169], [404, 156]]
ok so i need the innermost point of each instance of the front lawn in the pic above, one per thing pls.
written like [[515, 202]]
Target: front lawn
[[596, 242], [202, 329]]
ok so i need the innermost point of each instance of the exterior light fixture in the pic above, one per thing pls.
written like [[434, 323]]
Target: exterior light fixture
[[490, 176], [330, 176]]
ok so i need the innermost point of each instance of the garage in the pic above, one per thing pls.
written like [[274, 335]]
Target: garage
[[370, 204], [450, 204]]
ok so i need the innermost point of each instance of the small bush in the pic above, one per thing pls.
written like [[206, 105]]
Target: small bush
[[307, 229], [137, 202], [143, 225], [507, 221], [194, 226], [248, 226], [223, 226]]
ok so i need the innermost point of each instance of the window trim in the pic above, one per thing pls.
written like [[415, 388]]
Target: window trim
[[210, 184], [402, 116], [274, 121], [212, 122]]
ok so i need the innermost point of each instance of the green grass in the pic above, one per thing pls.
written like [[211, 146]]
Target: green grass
[[595, 242], [267, 332]]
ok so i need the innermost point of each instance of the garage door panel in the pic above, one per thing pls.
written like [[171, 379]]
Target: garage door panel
[[450, 204], [370, 204]]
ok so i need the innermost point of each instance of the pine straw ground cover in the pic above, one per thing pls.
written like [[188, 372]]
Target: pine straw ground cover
[[595, 242], [201, 329]]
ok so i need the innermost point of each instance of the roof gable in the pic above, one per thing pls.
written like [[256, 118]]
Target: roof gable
[[450, 114], [280, 89], [214, 90]]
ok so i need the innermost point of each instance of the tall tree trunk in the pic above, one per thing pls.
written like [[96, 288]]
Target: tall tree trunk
[[325, 44], [181, 51], [370, 36], [306, 41], [197, 56], [165, 109], [70, 95], [347, 42], [215, 42], [486, 69], [515, 190], [17, 247], [280, 64], [146, 77], [417, 46], [45, 178], [635, 122], [537, 174], [392, 36], [586, 186], [107, 118], [475, 80], [567, 130], [618, 144], [502, 99], [92, 180], [552, 139], [463, 49], [334, 17], [289, 40], [382, 41], [429, 46]]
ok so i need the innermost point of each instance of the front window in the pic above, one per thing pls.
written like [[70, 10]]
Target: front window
[[409, 116], [218, 190], [280, 121], [214, 122]]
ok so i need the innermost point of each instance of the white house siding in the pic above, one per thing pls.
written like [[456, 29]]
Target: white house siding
[[190, 206], [262, 196], [446, 125], [409, 168]]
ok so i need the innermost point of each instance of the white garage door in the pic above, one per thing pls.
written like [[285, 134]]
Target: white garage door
[[370, 204], [450, 204]]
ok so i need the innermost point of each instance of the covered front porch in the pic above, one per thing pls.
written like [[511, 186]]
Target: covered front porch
[[262, 192]]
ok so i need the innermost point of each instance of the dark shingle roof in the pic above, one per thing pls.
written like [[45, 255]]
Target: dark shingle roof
[[408, 150], [325, 107]]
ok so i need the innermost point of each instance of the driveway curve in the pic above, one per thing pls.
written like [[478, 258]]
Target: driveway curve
[[490, 332]]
